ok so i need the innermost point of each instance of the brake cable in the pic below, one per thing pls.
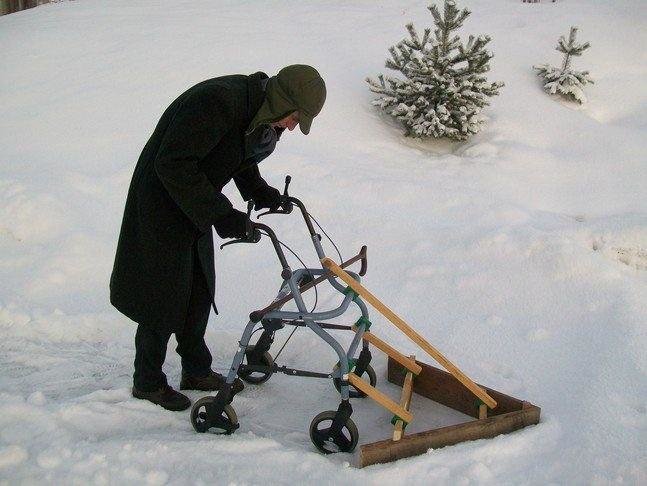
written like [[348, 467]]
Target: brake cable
[[306, 268], [285, 343], [329, 238], [309, 272], [316, 292]]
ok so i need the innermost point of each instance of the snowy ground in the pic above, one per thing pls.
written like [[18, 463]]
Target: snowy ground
[[521, 254]]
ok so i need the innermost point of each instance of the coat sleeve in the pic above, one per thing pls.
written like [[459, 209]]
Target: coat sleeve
[[249, 181], [197, 127]]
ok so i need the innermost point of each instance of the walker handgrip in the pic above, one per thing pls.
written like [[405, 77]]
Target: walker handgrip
[[286, 208], [362, 255], [252, 234], [286, 205]]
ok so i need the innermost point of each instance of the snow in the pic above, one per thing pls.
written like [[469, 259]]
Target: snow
[[521, 254]]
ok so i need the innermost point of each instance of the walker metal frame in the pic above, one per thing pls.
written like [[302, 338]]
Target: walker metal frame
[[210, 412]]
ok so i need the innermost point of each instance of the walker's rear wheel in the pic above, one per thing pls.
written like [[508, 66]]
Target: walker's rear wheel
[[345, 441], [352, 391], [257, 377], [226, 424]]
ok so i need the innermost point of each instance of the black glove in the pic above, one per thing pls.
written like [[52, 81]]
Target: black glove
[[234, 225], [266, 197]]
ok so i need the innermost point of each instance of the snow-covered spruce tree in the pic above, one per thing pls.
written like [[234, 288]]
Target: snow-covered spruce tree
[[564, 80], [445, 87]]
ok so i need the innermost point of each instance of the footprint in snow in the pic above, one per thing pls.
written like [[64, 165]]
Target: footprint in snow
[[635, 257]]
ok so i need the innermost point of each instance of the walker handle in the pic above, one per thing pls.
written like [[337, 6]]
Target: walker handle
[[286, 205], [252, 234]]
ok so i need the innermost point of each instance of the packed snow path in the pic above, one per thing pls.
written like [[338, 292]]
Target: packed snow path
[[521, 254]]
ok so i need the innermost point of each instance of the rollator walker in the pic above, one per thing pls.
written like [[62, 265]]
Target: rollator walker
[[330, 431]]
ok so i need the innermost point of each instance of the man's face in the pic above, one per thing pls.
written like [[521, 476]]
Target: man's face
[[289, 122]]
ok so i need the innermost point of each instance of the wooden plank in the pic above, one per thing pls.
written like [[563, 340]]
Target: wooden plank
[[482, 411], [380, 397], [398, 430], [415, 444], [405, 402], [410, 332], [442, 387], [410, 364]]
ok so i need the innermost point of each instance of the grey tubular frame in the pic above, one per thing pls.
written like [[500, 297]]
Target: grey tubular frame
[[302, 315]]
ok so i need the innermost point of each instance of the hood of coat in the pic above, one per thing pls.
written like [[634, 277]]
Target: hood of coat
[[295, 88], [256, 94]]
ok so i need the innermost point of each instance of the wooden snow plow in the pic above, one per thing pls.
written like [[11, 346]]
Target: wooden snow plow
[[495, 412], [509, 415]]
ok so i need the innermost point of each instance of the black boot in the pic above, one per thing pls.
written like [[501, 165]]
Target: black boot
[[212, 382], [165, 397]]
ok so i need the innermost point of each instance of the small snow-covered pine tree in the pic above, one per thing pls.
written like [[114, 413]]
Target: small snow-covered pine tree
[[445, 87], [564, 80]]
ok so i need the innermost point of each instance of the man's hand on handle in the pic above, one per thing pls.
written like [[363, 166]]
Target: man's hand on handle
[[235, 225], [238, 225], [267, 197]]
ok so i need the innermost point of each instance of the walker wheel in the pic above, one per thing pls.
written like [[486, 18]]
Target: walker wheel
[[226, 424], [257, 377], [352, 391], [345, 441]]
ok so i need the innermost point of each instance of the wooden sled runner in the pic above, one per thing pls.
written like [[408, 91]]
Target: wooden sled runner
[[495, 412]]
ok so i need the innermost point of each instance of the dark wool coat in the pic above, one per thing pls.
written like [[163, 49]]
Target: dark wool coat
[[175, 197]]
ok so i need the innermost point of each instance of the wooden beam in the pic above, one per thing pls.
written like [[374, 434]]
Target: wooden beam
[[408, 363], [379, 397], [405, 402], [415, 444], [410, 332], [482, 411], [398, 430]]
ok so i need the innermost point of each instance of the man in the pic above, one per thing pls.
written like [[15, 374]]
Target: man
[[163, 276]]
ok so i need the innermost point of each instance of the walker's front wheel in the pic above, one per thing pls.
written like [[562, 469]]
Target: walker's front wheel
[[328, 442], [202, 420]]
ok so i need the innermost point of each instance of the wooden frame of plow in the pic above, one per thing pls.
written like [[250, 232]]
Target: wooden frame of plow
[[509, 415], [495, 412]]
